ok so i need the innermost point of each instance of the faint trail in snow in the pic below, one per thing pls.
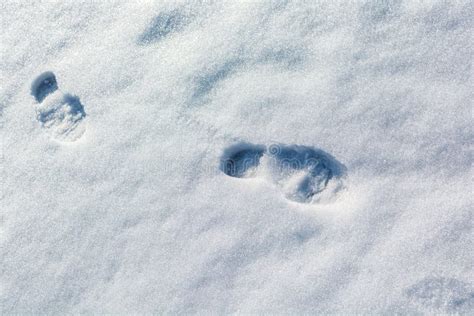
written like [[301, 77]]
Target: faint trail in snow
[[211, 78], [163, 25], [447, 294], [61, 114]]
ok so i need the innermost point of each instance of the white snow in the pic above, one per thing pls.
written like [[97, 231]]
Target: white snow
[[132, 212]]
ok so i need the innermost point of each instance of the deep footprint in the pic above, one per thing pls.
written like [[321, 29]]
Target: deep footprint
[[304, 174], [60, 114], [241, 160]]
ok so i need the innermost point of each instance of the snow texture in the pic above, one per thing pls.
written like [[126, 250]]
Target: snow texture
[[264, 157]]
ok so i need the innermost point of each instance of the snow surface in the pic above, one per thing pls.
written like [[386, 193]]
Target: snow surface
[[134, 212]]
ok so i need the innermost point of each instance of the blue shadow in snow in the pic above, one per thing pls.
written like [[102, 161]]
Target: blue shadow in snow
[[207, 82], [161, 26], [241, 158], [44, 85], [76, 109]]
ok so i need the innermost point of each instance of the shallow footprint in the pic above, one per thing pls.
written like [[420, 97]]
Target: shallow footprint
[[161, 26], [241, 160], [60, 114]]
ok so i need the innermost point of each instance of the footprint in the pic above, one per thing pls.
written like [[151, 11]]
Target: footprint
[[241, 160], [60, 114], [302, 173], [443, 294]]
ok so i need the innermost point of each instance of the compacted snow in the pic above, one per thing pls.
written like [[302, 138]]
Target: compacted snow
[[236, 157]]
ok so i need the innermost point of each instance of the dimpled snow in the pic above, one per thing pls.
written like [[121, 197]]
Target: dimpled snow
[[236, 157]]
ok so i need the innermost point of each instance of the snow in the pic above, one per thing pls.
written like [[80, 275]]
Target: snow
[[114, 197]]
